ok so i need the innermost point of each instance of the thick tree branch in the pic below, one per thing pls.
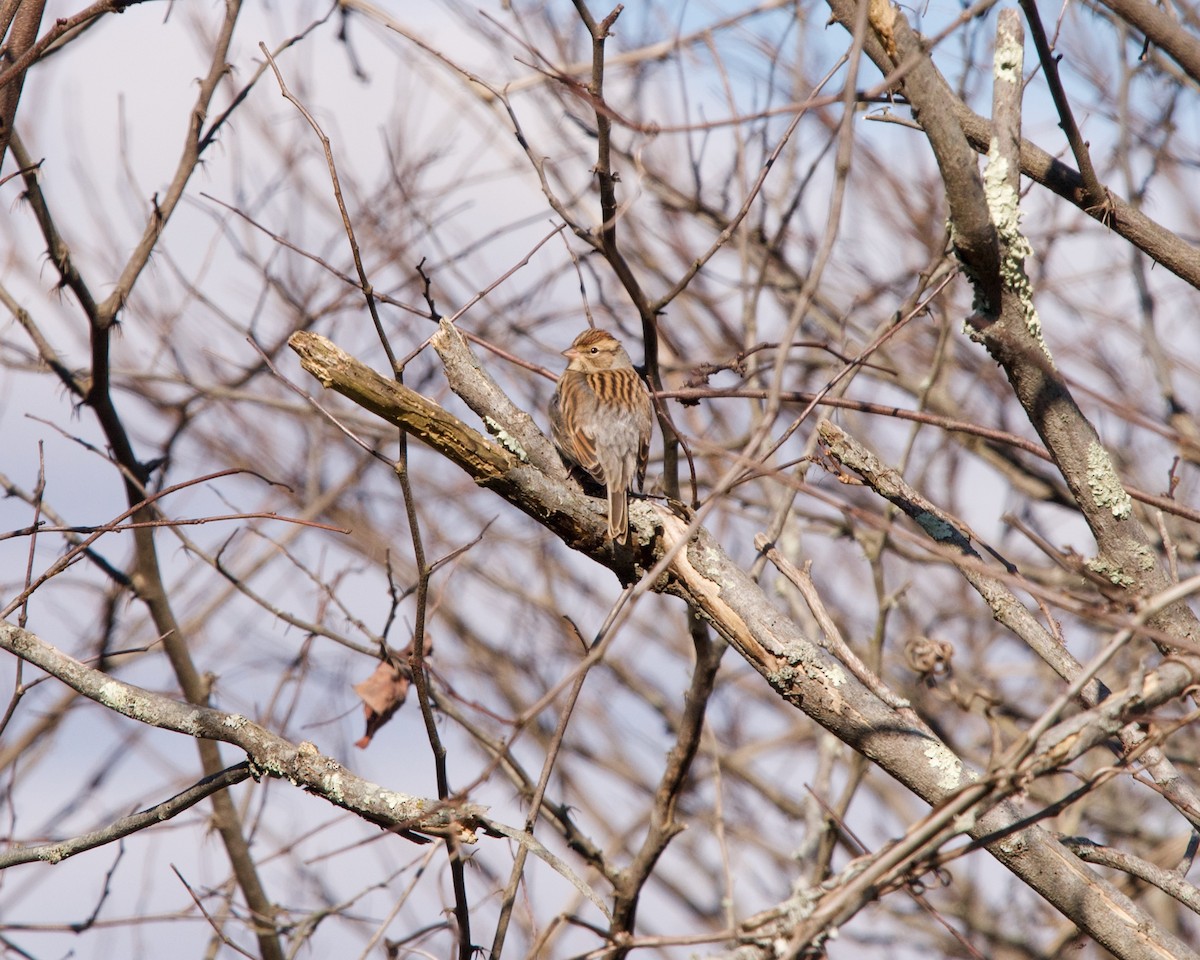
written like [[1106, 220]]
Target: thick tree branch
[[1006, 321], [971, 228], [798, 669], [300, 764], [1156, 241], [1163, 30], [1008, 609], [26, 17]]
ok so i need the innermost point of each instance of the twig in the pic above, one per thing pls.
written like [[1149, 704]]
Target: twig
[[509, 896], [368, 291], [60, 850]]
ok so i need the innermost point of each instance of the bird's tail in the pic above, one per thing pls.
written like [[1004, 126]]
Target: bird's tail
[[618, 514]]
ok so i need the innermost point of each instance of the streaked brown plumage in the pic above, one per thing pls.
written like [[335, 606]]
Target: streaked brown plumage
[[601, 419]]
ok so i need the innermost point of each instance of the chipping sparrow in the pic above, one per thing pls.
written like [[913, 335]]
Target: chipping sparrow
[[601, 419]]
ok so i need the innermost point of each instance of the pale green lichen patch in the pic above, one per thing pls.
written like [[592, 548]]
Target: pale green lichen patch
[[128, 702], [235, 721], [1145, 557], [946, 766], [507, 440], [782, 678], [978, 302], [400, 801], [1105, 484], [1004, 203], [1009, 60], [403, 806], [834, 674], [1111, 573], [335, 786], [114, 695]]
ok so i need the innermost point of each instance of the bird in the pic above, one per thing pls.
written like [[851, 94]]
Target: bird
[[601, 418]]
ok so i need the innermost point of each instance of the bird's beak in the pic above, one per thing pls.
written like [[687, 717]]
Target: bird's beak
[[570, 353]]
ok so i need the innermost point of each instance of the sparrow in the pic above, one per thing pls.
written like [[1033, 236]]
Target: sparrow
[[601, 418]]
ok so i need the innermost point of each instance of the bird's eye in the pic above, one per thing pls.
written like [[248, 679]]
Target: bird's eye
[[595, 349]]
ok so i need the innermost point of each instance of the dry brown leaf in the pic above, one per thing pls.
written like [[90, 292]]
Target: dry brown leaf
[[384, 691]]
